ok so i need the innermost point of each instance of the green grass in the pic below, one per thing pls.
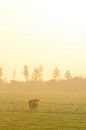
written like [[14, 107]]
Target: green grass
[[55, 112]]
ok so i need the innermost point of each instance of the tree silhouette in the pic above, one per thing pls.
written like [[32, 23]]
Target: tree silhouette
[[68, 75], [26, 73], [56, 73], [14, 74], [40, 72], [1, 73], [37, 73]]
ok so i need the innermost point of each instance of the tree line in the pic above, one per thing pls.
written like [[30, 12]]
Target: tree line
[[37, 74]]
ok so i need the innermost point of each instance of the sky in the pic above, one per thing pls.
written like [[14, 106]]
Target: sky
[[47, 32]]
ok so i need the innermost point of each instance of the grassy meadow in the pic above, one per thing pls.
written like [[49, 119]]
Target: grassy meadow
[[55, 111]]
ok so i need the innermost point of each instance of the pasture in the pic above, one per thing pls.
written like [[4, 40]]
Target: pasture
[[55, 112]]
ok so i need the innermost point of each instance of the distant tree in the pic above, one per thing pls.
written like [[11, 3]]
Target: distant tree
[[56, 73], [26, 73], [37, 73], [68, 75], [40, 72], [1, 73], [14, 74]]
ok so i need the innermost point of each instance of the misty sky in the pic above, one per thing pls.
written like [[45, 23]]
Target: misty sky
[[47, 32]]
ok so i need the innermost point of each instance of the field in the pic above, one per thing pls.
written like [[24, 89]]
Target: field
[[55, 112]]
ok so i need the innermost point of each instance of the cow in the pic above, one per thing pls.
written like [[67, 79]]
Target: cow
[[33, 104]]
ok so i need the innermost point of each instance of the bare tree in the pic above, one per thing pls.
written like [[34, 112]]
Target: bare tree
[[56, 73], [26, 72], [37, 73], [14, 74], [68, 75], [40, 72], [1, 73]]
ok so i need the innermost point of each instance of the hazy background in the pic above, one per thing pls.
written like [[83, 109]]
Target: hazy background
[[48, 32]]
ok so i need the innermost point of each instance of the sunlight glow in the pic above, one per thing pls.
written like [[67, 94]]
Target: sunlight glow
[[47, 32]]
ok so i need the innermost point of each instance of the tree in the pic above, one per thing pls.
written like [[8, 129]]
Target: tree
[[1, 73], [68, 75], [40, 72], [14, 74], [26, 73], [56, 73], [37, 73]]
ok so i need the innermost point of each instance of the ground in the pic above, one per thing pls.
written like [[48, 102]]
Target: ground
[[55, 112]]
